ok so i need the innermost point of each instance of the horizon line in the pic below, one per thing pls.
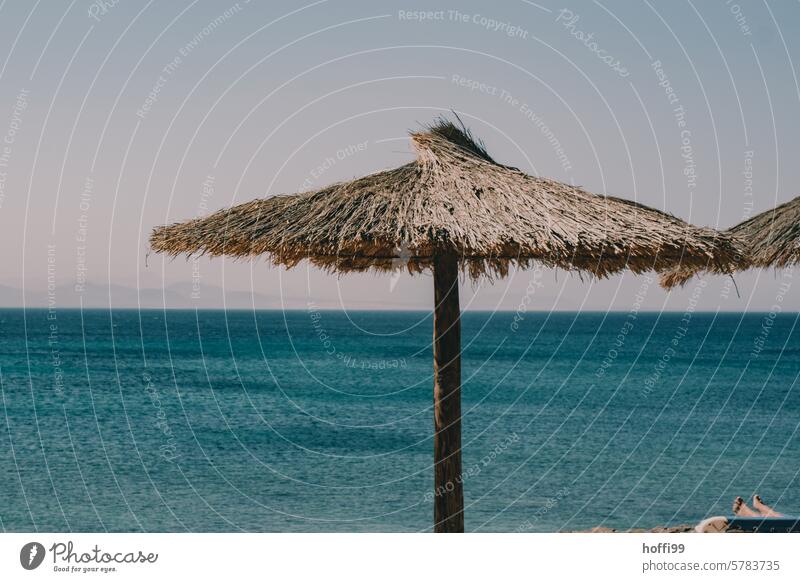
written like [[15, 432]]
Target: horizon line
[[361, 309]]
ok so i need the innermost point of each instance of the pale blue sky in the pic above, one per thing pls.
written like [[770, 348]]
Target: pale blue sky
[[259, 101]]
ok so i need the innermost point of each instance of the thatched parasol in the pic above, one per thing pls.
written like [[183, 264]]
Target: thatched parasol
[[452, 208], [772, 239]]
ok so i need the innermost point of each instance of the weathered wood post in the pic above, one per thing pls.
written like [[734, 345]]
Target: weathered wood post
[[448, 512]]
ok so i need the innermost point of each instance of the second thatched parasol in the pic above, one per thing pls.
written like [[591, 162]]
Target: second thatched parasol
[[771, 239], [453, 208]]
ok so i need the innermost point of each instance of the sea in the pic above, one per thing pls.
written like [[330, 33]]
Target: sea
[[313, 420]]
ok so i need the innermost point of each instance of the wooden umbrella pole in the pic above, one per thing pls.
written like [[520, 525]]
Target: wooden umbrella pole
[[448, 513]]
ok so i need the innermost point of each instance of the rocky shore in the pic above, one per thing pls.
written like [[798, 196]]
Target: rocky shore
[[660, 529]]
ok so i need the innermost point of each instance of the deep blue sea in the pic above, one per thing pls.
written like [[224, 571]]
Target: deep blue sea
[[321, 421]]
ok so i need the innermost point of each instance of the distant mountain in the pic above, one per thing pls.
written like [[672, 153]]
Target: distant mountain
[[176, 296]]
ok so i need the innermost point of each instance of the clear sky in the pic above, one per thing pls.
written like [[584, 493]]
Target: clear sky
[[119, 116]]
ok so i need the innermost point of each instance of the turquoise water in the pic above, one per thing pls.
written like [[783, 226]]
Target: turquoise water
[[321, 421]]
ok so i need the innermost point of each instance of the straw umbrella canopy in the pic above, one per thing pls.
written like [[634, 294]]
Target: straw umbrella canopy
[[452, 209], [771, 239]]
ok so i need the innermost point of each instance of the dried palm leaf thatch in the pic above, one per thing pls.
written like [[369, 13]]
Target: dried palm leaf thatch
[[771, 239], [453, 199]]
